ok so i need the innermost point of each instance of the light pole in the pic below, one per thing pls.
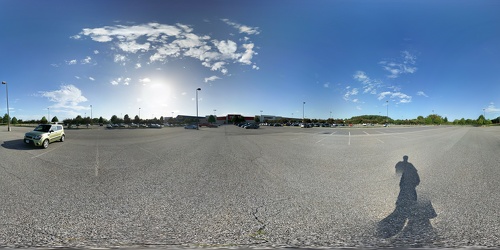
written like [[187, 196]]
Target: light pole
[[484, 113], [197, 120], [8, 113], [48, 115], [139, 115], [303, 104], [387, 117]]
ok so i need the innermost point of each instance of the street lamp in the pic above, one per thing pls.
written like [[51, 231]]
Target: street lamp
[[8, 113], [303, 104], [387, 117], [139, 115], [197, 120]]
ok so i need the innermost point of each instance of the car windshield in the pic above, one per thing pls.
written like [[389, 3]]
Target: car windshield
[[250, 124], [42, 128]]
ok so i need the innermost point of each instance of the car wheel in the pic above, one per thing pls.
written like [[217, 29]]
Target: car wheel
[[62, 138], [45, 143]]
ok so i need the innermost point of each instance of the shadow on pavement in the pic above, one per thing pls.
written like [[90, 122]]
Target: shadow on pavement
[[410, 220], [18, 145]]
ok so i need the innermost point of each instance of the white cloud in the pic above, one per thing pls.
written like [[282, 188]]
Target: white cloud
[[227, 49], [133, 46], [243, 28], [246, 58], [159, 42], [492, 109], [67, 97], [406, 66], [71, 62], [402, 98], [91, 78], [326, 85], [212, 78], [421, 93], [121, 80], [96, 52], [369, 85], [145, 80], [350, 93], [120, 59], [383, 95], [87, 60]]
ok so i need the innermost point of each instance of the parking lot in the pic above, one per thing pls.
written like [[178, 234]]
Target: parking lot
[[228, 186]]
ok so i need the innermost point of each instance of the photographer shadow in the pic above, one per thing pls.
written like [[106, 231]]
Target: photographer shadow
[[410, 219]]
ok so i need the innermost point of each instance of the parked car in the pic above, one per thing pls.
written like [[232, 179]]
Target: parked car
[[192, 126], [252, 126], [44, 134]]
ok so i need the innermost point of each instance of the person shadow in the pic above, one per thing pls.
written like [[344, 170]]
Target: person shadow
[[410, 220]]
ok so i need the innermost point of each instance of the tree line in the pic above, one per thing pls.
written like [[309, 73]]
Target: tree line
[[432, 119]]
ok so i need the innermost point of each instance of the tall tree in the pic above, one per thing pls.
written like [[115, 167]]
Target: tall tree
[[211, 119], [43, 120], [114, 119], [54, 119], [6, 118], [127, 119], [14, 120]]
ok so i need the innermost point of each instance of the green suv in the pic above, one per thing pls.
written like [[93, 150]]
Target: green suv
[[45, 134]]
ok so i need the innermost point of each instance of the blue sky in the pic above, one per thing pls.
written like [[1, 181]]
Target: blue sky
[[342, 58]]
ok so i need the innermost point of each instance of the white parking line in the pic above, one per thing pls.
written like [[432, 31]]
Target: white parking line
[[47, 151], [365, 132], [321, 139], [333, 133], [97, 160], [380, 140]]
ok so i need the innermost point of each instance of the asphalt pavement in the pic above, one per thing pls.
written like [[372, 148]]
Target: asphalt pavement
[[234, 187]]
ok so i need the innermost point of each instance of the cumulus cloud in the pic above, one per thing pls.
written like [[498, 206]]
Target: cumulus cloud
[[421, 93], [492, 109], [87, 60], [67, 97], [145, 80], [401, 97], [350, 92], [161, 42], [91, 78], [212, 78], [369, 85], [406, 65], [243, 28], [121, 80]]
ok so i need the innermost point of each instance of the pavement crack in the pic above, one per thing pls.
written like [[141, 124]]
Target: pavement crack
[[20, 180], [260, 233]]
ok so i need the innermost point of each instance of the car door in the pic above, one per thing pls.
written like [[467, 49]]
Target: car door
[[55, 134]]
